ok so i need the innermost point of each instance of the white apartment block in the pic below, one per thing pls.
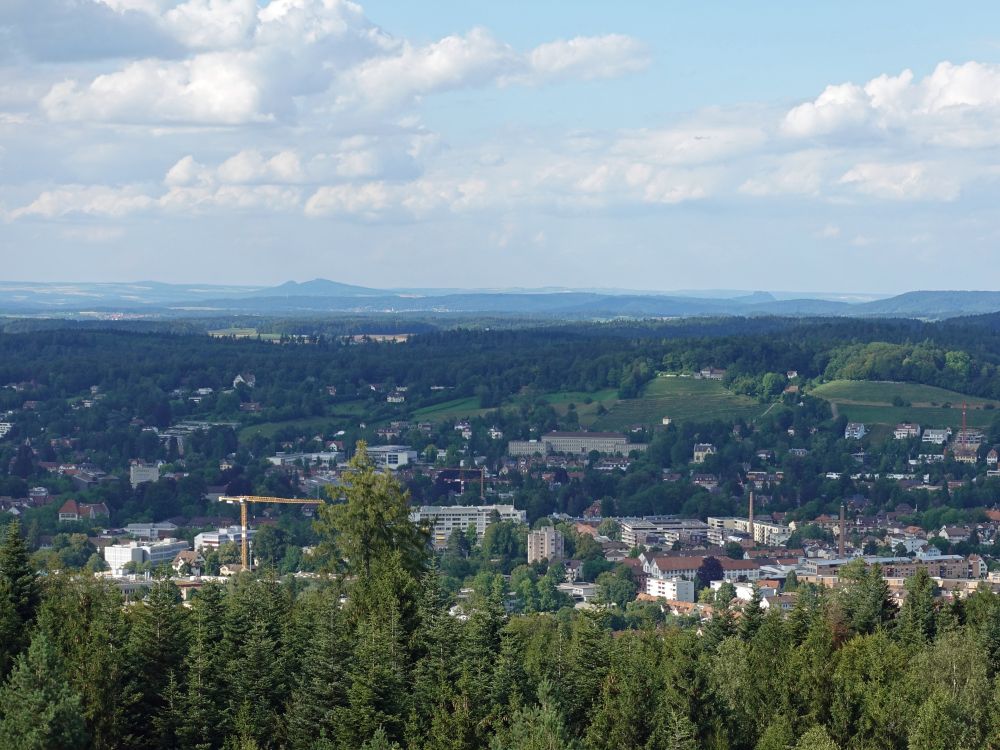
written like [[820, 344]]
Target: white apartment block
[[213, 539], [675, 589], [5, 427], [636, 531], [764, 533], [117, 556], [545, 544], [444, 519]]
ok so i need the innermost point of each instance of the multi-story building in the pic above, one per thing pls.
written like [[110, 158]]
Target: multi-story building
[[160, 530], [763, 533], [213, 539], [526, 448], [937, 566], [854, 431], [545, 543], [117, 556], [701, 452], [444, 519], [636, 531], [392, 456], [675, 589], [585, 442], [906, 430], [938, 437], [578, 443]]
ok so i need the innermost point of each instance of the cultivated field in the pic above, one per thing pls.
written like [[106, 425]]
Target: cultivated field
[[871, 403]]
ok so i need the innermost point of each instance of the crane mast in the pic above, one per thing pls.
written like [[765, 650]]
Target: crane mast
[[244, 500]]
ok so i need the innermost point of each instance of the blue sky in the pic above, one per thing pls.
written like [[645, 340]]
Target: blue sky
[[821, 147]]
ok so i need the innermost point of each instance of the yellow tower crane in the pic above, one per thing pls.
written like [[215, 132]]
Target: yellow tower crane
[[244, 500]]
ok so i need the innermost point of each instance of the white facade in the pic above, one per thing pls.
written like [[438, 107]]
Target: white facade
[[854, 431], [444, 519], [117, 556], [675, 589], [938, 437], [150, 530], [142, 473], [392, 456], [213, 539]]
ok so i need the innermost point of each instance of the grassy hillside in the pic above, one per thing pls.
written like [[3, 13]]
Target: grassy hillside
[[681, 399], [871, 403], [458, 408]]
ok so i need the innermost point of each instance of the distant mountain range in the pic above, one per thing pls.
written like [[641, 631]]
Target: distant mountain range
[[323, 296]]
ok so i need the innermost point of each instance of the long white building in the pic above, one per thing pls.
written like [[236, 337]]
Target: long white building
[[117, 556], [212, 539], [444, 519]]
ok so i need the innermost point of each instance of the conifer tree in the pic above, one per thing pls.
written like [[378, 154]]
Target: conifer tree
[[372, 521], [320, 690], [19, 596], [536, 727], [816, 739], [155, 651], [917, 617], [202, 721], [38, 708], [752, 616]]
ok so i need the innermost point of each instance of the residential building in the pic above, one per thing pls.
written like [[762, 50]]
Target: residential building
[[675, 589], [670, 529], [712, 373], [71, 510], [906, 430], [854, 431], [937, 437], [764, 533], [444, 519], [701, 452], [545, 543]]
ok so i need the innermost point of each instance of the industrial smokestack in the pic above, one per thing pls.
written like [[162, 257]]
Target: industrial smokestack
[[843, 533], [753, 538]]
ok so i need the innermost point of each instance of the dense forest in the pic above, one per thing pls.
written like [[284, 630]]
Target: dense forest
[[100, 394], [368, 656]]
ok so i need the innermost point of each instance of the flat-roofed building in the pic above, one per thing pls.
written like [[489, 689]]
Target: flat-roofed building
[[214, 539], [444, 519], [139, 473], [117, 556], [545, 543], [585, 442], [392, 456], [675, 589]]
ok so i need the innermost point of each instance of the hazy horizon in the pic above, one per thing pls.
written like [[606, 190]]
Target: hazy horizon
[[457, 145]]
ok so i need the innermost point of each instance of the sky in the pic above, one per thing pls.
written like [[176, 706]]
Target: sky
[[820, 147]]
